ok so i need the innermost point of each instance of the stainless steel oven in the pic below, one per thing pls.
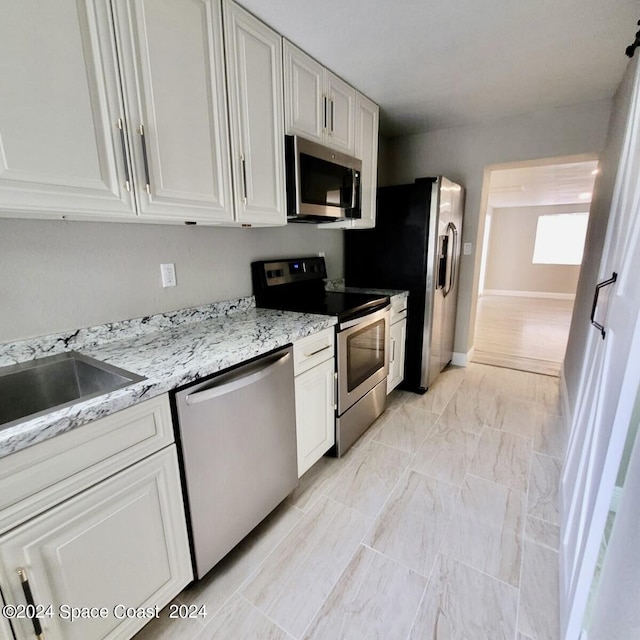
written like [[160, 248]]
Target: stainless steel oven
[[363, 365], [363, 356], [362, 335]]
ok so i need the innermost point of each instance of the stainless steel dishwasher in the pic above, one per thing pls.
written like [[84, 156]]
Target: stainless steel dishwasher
[[237, 436]]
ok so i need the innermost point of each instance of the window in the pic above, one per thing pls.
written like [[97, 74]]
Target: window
[[560, 238]]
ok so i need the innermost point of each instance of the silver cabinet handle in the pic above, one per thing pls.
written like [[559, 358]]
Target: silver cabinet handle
[[243, 167], [31, 605], [393, 349], [331, 102], [335, 391], [127, 176], [324, 113], [604, 283], [236, 380], [313, 353], [145, 158]]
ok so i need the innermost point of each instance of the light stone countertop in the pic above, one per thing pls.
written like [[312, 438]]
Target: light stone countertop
[[170, 350]]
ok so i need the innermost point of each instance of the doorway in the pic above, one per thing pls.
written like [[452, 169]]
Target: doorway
[[535, 226]]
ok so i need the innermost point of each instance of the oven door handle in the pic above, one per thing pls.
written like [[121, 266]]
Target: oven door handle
[[366, 318]]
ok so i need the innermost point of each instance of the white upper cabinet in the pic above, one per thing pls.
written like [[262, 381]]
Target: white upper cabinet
[[305, 101], [256, 114], [318, 105], [173, 72], [60, 147], [76, 144], [341, 103], [367, 151]]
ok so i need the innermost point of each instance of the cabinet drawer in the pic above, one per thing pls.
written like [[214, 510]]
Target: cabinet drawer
[[33, 479], [398, 310], [312, 350]]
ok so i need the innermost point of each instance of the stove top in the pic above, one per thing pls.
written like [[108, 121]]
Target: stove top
[[332, 303], [297, 284]]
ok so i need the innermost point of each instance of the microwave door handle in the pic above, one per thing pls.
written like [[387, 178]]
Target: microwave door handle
[[355, 186]]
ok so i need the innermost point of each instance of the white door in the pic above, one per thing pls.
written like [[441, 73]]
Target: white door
[[122, 542], [173, 68], [61, 151], [256, 113], [304, 101], [340, 114], [610, 379]]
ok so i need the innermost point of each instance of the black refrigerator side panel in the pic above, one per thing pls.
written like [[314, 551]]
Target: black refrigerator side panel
[[393, 255]]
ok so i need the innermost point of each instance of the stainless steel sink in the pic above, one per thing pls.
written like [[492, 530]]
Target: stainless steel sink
[[37, 387]]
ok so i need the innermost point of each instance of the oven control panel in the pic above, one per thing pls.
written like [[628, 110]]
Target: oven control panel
[[289, 271]]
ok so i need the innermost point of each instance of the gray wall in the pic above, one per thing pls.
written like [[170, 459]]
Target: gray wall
[[465, 153], [511, 243], [598, 217], [60, 275]]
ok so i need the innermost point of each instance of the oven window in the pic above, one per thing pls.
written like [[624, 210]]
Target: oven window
[[365, 353]]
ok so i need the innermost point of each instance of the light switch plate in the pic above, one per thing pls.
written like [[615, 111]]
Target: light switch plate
[[466, 249], [168, 272]]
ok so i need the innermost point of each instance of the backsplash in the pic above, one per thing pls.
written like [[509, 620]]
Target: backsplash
[[60, 275]]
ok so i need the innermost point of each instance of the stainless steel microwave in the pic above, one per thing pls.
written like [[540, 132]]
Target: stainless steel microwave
[[323, 185]]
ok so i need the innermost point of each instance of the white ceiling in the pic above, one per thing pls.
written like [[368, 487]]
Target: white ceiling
[[431, 64], [566, 183]]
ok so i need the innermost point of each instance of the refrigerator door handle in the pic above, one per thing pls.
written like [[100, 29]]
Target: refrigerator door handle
[[443, 243], [451, 228]]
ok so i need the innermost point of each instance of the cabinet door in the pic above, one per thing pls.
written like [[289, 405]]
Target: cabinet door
[[304, 101], [315, 413], [122, 542], [367, 150], [256, 113], [341, 114], [61, 153], [173, 68], [398, 336]]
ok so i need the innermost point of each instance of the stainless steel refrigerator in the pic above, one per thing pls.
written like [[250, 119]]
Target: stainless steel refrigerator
[[415, 245]]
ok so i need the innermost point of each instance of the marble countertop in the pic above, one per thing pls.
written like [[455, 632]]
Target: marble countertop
[[170, 350]]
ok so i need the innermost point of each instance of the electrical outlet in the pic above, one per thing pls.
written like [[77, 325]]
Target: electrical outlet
[[466, 249], [321, 254], [168, 272]]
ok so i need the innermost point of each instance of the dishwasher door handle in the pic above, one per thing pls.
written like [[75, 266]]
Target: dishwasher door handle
[[236, 381]]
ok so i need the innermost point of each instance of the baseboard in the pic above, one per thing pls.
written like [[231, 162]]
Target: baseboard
[[529, 294], [564, 399], [462, 359]]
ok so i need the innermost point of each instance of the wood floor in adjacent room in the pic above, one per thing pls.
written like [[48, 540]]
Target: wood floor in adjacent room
[[529, 334]]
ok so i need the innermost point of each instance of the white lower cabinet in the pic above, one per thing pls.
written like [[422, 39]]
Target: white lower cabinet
[[120, 548], [398, 339], [315, 391], [95, 522]]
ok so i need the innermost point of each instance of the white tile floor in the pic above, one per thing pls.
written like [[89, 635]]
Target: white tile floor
[[441, 523]]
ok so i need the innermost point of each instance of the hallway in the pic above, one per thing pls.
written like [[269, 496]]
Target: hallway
[[529, 334], [441, 522]]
